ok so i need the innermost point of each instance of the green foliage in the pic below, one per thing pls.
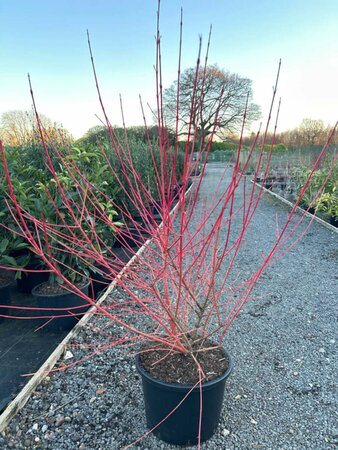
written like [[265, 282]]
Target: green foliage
[[328, 203], [38, 193], [277, 148], [223, 146], [233, 146], [10, 251], [86, 177], [137, 143], [136, 133], [11, 244], [328, 199]]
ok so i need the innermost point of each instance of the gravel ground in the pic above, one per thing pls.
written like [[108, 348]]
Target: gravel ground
[[280, 396]]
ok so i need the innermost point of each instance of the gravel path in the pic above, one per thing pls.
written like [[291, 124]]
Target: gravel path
[[280, 396]]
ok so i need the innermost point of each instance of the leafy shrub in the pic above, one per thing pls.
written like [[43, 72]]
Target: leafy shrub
[[223, 146], [327, 200], [328, 203]]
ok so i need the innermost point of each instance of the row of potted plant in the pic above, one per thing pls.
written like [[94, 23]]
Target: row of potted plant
[[321, 194], [53, 183], [317, 198]]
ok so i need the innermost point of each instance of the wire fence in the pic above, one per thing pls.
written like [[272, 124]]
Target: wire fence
[[286, 160]]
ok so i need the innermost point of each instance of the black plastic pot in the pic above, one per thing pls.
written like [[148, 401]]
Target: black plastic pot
[[100, 280], [131, 237], [29, 280], [196, 173], [5, 299], [60, 305], [181, 427], [334, 221], [269, 182], [155, 209]]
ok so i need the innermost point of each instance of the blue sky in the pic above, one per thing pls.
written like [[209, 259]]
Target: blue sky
[[48, 40]]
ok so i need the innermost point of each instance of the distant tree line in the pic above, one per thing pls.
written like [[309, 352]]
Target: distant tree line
[[310, 133], [19, 128]]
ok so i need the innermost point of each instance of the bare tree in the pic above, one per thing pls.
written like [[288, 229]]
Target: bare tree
[[312, 131], [220, 99], [20, 128]]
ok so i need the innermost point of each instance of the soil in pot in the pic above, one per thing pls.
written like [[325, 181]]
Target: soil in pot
[[63, 308], [170, 382]]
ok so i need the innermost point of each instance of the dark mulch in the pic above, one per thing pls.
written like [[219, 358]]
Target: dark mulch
[[53, 289], [181, 368]]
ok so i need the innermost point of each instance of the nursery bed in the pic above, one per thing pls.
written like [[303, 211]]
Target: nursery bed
[[22, 349], [281, 392], [301, 210], [25, 345]]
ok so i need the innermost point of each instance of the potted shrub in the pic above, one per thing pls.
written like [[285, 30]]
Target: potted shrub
[[186, 281], [59, 297], [57, 302], [321, 194], [5, 293], [59, 231], [25, 165], [10, 245], [13, 249], [328, 203], [64, 297]]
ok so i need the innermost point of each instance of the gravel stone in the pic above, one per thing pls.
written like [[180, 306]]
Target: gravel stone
[[59, 420]]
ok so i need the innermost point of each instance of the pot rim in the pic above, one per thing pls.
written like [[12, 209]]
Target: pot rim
[[59, 294], [6, 284], [184, 387]]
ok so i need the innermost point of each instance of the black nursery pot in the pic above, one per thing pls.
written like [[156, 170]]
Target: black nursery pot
[[62, 302], [5, 299], [269, 182], [132, 237], [334, 221], [29, 280], [181, 427], [101, 278]]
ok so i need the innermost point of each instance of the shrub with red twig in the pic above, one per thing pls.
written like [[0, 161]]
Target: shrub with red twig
[[179, 255], [185, 279]]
